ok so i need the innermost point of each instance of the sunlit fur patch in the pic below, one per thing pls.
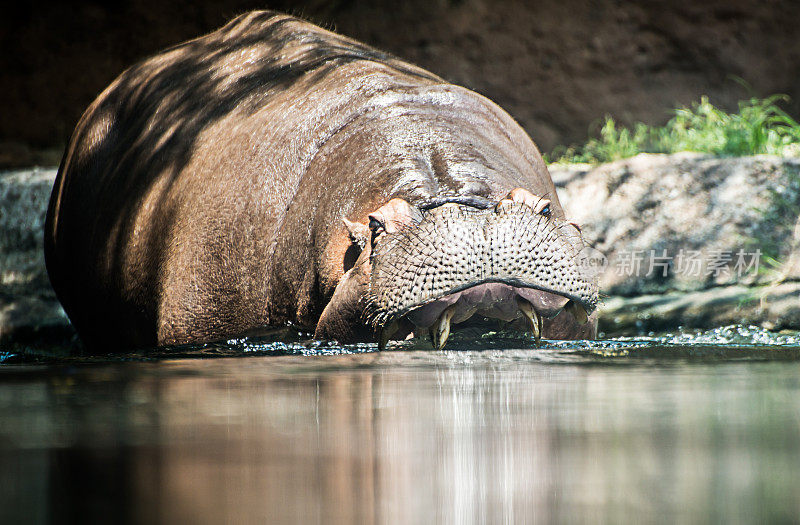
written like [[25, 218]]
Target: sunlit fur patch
[[98, 131]]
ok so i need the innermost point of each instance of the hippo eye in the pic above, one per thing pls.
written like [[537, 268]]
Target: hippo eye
[[545, 211], [376, 226]]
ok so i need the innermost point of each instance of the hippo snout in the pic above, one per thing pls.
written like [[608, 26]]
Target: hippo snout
[[513, 260]]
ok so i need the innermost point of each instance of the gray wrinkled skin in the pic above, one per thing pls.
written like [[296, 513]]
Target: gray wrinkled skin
[[223, 188], [454, 247]]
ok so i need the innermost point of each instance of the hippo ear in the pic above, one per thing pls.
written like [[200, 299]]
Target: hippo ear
[[395, 215], [359, 232]]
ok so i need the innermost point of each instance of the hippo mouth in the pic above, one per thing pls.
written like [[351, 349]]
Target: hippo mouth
[[454, 262], [502, 301]]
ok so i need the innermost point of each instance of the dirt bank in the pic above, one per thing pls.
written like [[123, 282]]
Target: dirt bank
[[555, 65]]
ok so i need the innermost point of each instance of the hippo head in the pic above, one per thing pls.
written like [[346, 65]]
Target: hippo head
[[425, 268]]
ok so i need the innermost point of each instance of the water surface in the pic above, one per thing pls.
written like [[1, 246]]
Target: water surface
[[682, 427]]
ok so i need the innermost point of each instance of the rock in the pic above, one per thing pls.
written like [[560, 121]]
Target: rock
[[24, 196], [32, 319], [774, 308], [688, 220], [29, 309]]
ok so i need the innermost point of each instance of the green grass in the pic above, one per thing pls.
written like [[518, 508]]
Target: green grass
[[759, 127]]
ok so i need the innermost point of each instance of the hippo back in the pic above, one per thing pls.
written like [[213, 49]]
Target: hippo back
[[180, 187]]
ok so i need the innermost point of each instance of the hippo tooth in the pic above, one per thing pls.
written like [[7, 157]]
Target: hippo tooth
[[577, 311], [440, 330], [534, 319], [386, 334]]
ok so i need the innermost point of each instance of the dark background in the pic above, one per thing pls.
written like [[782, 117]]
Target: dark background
[[557, 66]]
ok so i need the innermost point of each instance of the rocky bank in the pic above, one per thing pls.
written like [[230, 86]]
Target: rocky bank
[[29, 310], [678, 240], [691, 240]]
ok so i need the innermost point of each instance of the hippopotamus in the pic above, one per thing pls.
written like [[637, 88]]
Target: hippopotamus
[[273, 173]]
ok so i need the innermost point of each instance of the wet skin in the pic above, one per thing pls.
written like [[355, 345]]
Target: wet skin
[[251, 177]]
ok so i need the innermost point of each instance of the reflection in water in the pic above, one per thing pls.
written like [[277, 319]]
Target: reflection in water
[[406, 437]]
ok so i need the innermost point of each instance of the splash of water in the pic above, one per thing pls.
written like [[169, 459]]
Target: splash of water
[[735, 342]]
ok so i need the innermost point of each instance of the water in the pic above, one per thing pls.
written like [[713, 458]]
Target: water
[[684, 427]]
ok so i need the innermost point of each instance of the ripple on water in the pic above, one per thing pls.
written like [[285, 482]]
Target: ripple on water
[[728, 343]]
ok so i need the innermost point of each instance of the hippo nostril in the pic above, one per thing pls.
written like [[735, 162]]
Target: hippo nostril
[[473, 201]]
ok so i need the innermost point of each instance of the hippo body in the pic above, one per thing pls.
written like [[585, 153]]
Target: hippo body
[[249, 178]]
